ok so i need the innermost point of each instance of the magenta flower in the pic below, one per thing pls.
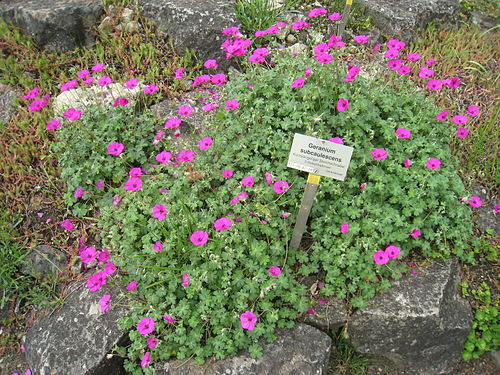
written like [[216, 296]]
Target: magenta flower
[[135, 172], [395, 44], [475, 201], [218, 79], [205, 143], [317, 12], [462, 132], [338, 140], [403, 133], [169, 319], [380, 257], [53, 125], [150, 89], [227, 173], [72, 114], [103, 256], [430, 62], [185, 110], [361, 39], [342, 104], [335, 17], [88, 255], [97, 68], [392, 251], [104, 302], [391, 53], [434, 84], [425, 72], [146, 360], [210, 107], [100, 184], [104, 81], [394, 64], [88, 81], [344, 227], [69, 85], [472, 111], [109, 268], [132, 83], [78, 193], [185, 280], [248, 320], [379, 154], [96, 281], [179, 73], [163, 157], [455, 82], [160, 211], [269, 178], [404, 69], [415, 233], [231, 104], [158, 246], [324, 58], [280, 187], [67, 224], [37, 105], [210, 64], [362, 186], [173, 123], [115, 148], [152, 342], [459, 120], [199, 238], [321, 48], [146, 326], [133, 184], [307, 72], [185, 156], [441, 116], [200, 80], [32, 94], [433, 163], [222, 224], [413, 56], [274, 271], [122, 102], [132, 286], [407, 163], [248, 181], [298, 83]]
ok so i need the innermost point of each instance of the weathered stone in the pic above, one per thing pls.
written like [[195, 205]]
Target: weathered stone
[[401, 19], [302, 350], [7, 96], [420, 324], [76, 339], [328, 317], [193, 24], [56, 25], [486, 214], [106, 24], [43, 260]]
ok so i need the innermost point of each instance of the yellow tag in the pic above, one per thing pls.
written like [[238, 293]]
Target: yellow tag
[[348, 2], [313, 179]]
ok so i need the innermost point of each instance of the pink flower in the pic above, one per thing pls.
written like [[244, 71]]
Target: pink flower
[[442, 116], [342, 104], [321, 48], [459, 120], [37, 105], [248, 320], [160, 211], [274, 271], [407, 163], [152, 342], [122, 102], [146, 360], [150, 89], [133, 184], [392, 251], [433, 163], [103, 256], [135, 172], [338, 140], [396, 44], [53, 125], [222, 224], [72, 114], [361, 39], [132, 286], [205, 143], [104, 302], [475, 201], [380, 257], [362, 186], [132, 83], [145, 326], [307, 72], [434, 84], [455, 82], [115, 148], [391, 53], [284, 215], [32, 94], [173, 123], [344, 227], [335, 17], [185, 110], [78, 193], [394, 64], [163, 157], [88, 255], [227, 173], [185, 280], [185, 156], [117, 201], [69, 85], [462, 132], [404, 69], [379, 154], [104, 81], [324, 58], [269, 178], [280, 187], [199, 238], [403, 133], [168, 318], [109, 268], [231, 104], [67, 224], [256, 59], [210, 64], [317, 12], [248, 181], [218, 79], [415, 233], [472, 111], [299, 25], [179, 73], [230, 31], [413, 56], [88, 81], [96, 281], [425, 72], [97, 68], [497, 208], [210, 107], [430, 62], [298, 83]]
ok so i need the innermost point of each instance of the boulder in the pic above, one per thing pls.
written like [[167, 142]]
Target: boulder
[[7, 96], [486, 214], [56, 25], [328, 317], [192, 24], [302, 350], [420, 324], [77, 339], [42, 261], [400, 19]]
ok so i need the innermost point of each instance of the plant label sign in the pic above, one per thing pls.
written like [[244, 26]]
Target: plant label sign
[[318, 156]]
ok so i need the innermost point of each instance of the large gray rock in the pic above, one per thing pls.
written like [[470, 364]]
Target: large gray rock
[[56, 25], [420, 324], [76, 339], [7, 96], [402, 18], [192, 24], [302, 350], [328, 317], [42, 261], [487, 217]]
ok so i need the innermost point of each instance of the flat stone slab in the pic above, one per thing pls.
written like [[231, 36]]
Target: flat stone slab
[[302, 350], [76, 339], [420, 324], [43, 260], [7, 96], [328, 317], [400, 19], [56, 25]]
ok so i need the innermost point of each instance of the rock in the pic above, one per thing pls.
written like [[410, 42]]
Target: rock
[[106, 24], [193, 24], [400, 19], [486, 214], [420, 324], [76, 339], [302, 350], [328, 317], [132, 26], [484, 21], [42, 261], [296, 49], [127, 15], [56, 25], [7, 96]]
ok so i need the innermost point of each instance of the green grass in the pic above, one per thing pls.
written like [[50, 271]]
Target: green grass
[[344, 359]]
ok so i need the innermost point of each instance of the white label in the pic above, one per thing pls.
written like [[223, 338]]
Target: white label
[[319, 156]]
